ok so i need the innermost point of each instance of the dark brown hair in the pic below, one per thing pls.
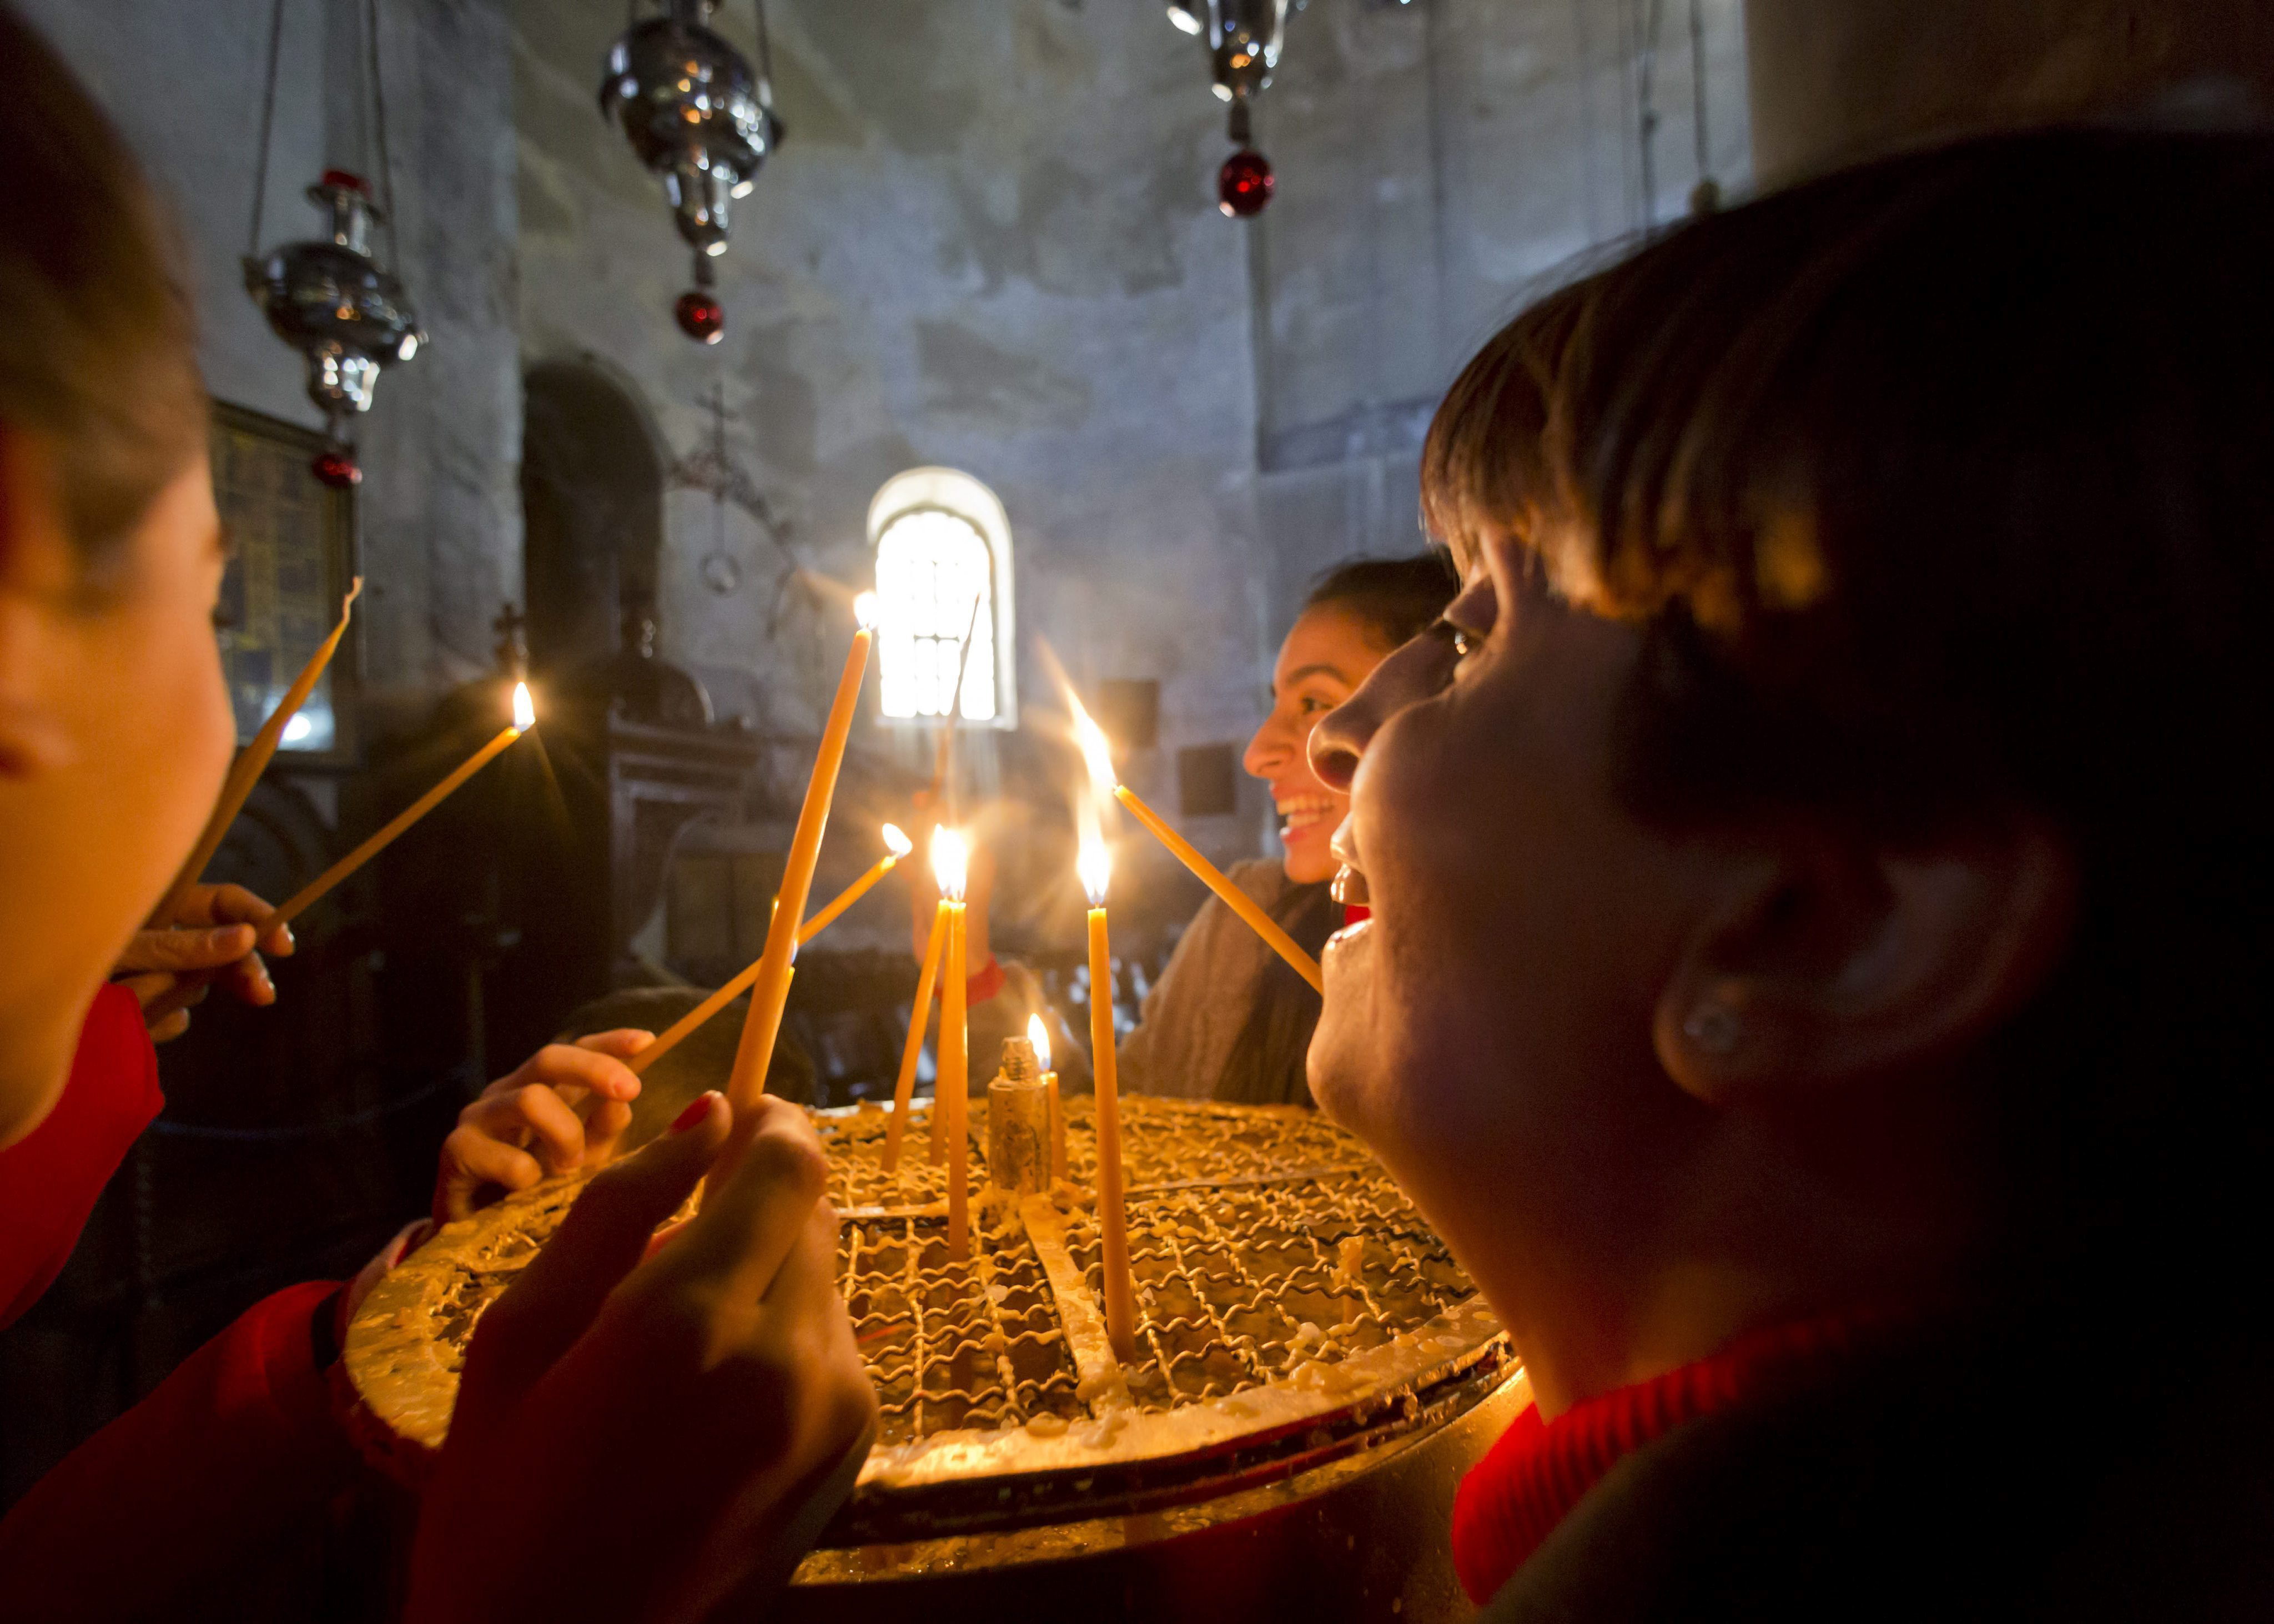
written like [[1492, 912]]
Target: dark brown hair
[[1397, 598], [97, 351], [1940, 486]]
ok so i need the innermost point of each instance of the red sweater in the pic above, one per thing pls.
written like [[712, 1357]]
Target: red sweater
[[231, 1454]]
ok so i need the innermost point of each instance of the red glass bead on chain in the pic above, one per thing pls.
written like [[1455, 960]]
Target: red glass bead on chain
[[337, 467], [1243, 187], [700, 316]]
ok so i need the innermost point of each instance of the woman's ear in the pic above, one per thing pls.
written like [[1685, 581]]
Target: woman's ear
[[36, 569], [1835, 958]]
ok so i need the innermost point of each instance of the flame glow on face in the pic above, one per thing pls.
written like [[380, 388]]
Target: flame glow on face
[[897, 843], [951, 859], [1039, 1035], [865, 611], [525, 708]]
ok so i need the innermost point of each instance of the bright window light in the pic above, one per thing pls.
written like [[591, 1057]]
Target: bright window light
[[942, 549]]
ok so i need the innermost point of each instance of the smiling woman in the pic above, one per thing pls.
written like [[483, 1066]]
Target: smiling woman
[[1228, 1020]]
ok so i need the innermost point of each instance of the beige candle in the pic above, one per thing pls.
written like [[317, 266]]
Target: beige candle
[[952, 1095], [770, 988], [905, 1087], [1112, 1215], [251, 762], [1039, 1035]]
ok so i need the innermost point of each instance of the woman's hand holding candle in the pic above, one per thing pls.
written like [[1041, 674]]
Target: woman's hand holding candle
[[564, 1108]]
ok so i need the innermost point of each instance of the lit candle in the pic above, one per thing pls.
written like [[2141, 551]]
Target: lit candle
[[770, 988], [904, 1089], [251, 762], [524, 718], [1039, 1035], [1096, 870], [950, 860], [678, 1031], [1238, 900]]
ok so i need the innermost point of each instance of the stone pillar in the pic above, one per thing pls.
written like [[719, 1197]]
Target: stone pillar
[[1836, 80]]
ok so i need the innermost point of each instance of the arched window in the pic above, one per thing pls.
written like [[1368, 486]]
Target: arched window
[[943, 574]]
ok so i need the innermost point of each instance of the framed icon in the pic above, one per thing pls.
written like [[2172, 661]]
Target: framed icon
[[293, 542]]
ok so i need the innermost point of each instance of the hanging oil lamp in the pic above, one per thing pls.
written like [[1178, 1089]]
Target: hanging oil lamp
[[327, 296], [699, 116], [1244, 38]]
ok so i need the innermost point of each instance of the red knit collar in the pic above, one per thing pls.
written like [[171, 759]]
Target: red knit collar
[[1529, 1481]]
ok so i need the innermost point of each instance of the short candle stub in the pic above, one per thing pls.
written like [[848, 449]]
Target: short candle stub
[[1018, 1122]]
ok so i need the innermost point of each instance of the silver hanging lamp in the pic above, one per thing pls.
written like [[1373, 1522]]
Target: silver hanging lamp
[[327, 296], [699, 116], [1244, 38]]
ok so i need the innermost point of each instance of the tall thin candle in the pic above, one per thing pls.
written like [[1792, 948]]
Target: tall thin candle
[[1238, 900], [953, 1093], [524, 718], [770, 989], [1112, 1215], [685, 1027], [251, 762], [904, 1088]]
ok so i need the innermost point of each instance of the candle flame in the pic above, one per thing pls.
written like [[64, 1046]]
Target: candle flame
[[1096, 749], [865, 611], [1039, 1035], [524, 708], [951, 857], [1094, 863], [899, 844]]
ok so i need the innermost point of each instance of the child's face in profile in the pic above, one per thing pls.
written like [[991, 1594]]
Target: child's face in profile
[[1489, 1031], [115, 732]]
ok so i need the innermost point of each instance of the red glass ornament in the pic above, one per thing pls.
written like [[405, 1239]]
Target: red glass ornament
[[1243, 187], [336, 469], [700, 316]]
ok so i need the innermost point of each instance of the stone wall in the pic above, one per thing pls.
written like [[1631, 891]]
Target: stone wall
[[440, 539]]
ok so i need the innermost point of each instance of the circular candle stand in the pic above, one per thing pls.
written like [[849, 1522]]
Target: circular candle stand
[[1312, 1375]]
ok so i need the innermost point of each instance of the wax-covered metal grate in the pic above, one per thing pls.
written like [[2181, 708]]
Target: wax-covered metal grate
[[951, 1345], [1163, 1142], [1241, 1285]]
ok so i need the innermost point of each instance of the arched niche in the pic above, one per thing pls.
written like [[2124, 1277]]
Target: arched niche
[[591, 495]]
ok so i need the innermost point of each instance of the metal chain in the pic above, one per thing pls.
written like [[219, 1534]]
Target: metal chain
[[378, 125], [268, 120]]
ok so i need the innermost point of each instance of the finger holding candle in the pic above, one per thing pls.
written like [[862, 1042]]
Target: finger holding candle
[[904, 1087], [251, 762], [1096, 868], [524, 718], [769, 990]]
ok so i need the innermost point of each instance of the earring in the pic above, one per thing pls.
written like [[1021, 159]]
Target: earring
[[1713, 1028]]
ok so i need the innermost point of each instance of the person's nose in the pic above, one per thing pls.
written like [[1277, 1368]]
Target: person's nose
[[1268, 750], [1414, 672]]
